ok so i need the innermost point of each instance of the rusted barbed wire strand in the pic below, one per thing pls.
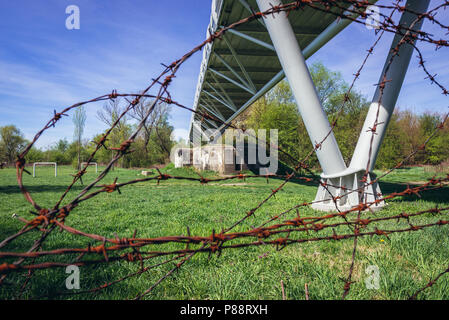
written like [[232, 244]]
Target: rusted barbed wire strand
[[112, 283], [47, 220], [306, 224], [429, 284], [176, 267], [409, 37], [261, 235]]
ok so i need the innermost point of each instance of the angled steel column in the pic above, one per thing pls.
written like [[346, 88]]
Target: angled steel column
[[395, 77], [298, 76], [365, 153]]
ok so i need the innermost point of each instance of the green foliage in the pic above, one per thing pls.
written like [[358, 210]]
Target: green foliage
[[406, 131], [79, 120], [11, 143], [151, 146], [437, 150], [277, 110], [391, 152], [271, 114], [34, 155], [145, 152], [329, 85], [159, 145], [349, 125]]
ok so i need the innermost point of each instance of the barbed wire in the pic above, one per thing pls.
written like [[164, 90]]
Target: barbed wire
[[272, 231]]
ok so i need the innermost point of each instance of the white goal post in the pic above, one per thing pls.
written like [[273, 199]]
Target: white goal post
[[91, 164], [45, 164]]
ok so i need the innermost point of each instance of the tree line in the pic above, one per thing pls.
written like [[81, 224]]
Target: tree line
[[152, 145], [407, 131]]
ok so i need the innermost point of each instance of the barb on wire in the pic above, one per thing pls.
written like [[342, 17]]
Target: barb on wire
[[278, 230]]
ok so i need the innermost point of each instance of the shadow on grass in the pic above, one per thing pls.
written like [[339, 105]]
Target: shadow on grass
[[11, 189], [440, 195], [7, 230]]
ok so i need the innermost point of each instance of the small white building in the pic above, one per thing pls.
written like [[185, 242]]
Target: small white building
[[215, 157], [182, 157]]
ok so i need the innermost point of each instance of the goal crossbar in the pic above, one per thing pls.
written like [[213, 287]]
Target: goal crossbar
[[45, 164], [90, 164]]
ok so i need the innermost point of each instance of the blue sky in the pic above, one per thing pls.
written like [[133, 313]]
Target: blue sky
[[120, 45]]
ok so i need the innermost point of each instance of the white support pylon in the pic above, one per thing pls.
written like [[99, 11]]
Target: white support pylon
[[335, 191], [385, 102], [337, 179], [378, 117], [300, 80]]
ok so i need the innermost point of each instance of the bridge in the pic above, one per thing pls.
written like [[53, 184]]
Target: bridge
[[252, 58], [243, 66]]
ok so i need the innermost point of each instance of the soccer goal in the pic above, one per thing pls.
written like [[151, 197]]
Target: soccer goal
[[45, 164], [91, 164]]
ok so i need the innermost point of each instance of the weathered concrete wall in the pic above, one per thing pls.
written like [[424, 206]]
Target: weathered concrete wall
[[220, 158], [182, 157], [216, 157], [224, 159]]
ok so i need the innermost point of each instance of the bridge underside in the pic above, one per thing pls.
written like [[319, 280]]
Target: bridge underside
[[250, 60], [243, 65]]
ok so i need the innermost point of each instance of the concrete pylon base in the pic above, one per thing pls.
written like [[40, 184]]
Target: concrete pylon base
[[340, 186]]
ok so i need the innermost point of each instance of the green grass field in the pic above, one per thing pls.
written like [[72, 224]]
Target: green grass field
[[406, 261]]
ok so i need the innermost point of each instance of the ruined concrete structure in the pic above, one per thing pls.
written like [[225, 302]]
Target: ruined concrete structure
[[216, 157]]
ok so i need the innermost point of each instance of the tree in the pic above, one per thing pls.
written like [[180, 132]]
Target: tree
[[270, 113], [79, 120], [329, 85], [393, 148], [34, 155], [437, 149], [349, 116], [278, 110], [140, 111], [62, 145], [409, 124], [11, 143], [163, 132], [152, 144], [110, 114], [160, 142]]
